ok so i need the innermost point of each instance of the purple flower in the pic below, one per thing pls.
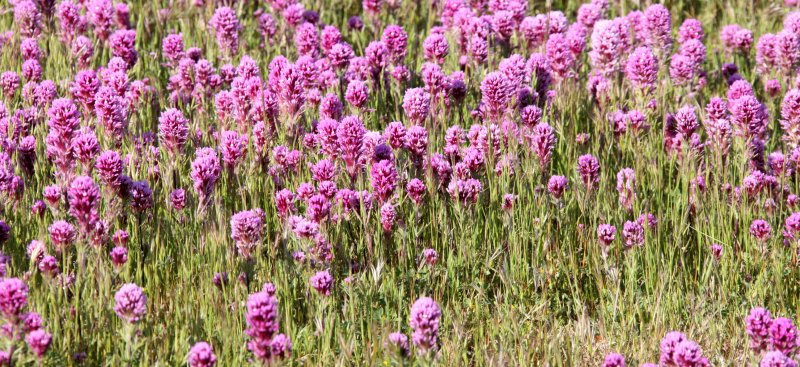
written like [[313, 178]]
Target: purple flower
[[109, 167], [111, 112], [119, 256], [658, 26], [246, 229], [787, 46], [48, 265], [70, 20], [13, 297], [9, 82], [424, 320], [388, 217], [465, 191], [177, 199], [101, 16], [399, 342], [757, 324], [790, 111], [633, 234], [350, 136], [691, 29], [761, 230], [141, 196], [777, 359], [123, 45], [417, 141], [606, 233], [384, 179], [681, 69], [614, 360], [5, 232], [173, 130], [31, 322], [84, 200], [201, 355], [322, 282], [689, 354], [668, 347], [281, 346], [395, 134], [396, 41], [589, 170], [588, 14], [543, 141], [534, 29], [262, 317], [172, 47], [435, 48], [430, 256], [226, 28], [357, 94], [39, 342], [783, 335], [641, 68], [610, 39], [340, 55], [556, 185], [416, 190], [28, 18], [130, 303], [496, 92], [695, 51], [716, 251], [205, 173], [306, 39], [416, 105], [233, 147]]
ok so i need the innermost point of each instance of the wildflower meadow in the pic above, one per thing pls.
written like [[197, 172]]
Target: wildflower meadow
[[400, 183]]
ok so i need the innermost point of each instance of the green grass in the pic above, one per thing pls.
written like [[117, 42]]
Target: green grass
[[524, 288]]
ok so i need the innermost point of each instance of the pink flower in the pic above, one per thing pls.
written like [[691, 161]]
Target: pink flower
[[658, 25], [610, 40], [13, 297], [246, 229], [435, 48], [201, 355], [205, 173], [357, 94], [322, 282], [760, 229], [226, 27], [101, 16], [424, 320], [384, 179], [388, 216], [416, 105], [559, 55], [130, 303], [122, 44], [606, 233], [396, 41], [641, 69], [691, 29], [589, 170], [84, 200], [173, 130], [39, 342], [496, 91], [543, 141], [430, 256]]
